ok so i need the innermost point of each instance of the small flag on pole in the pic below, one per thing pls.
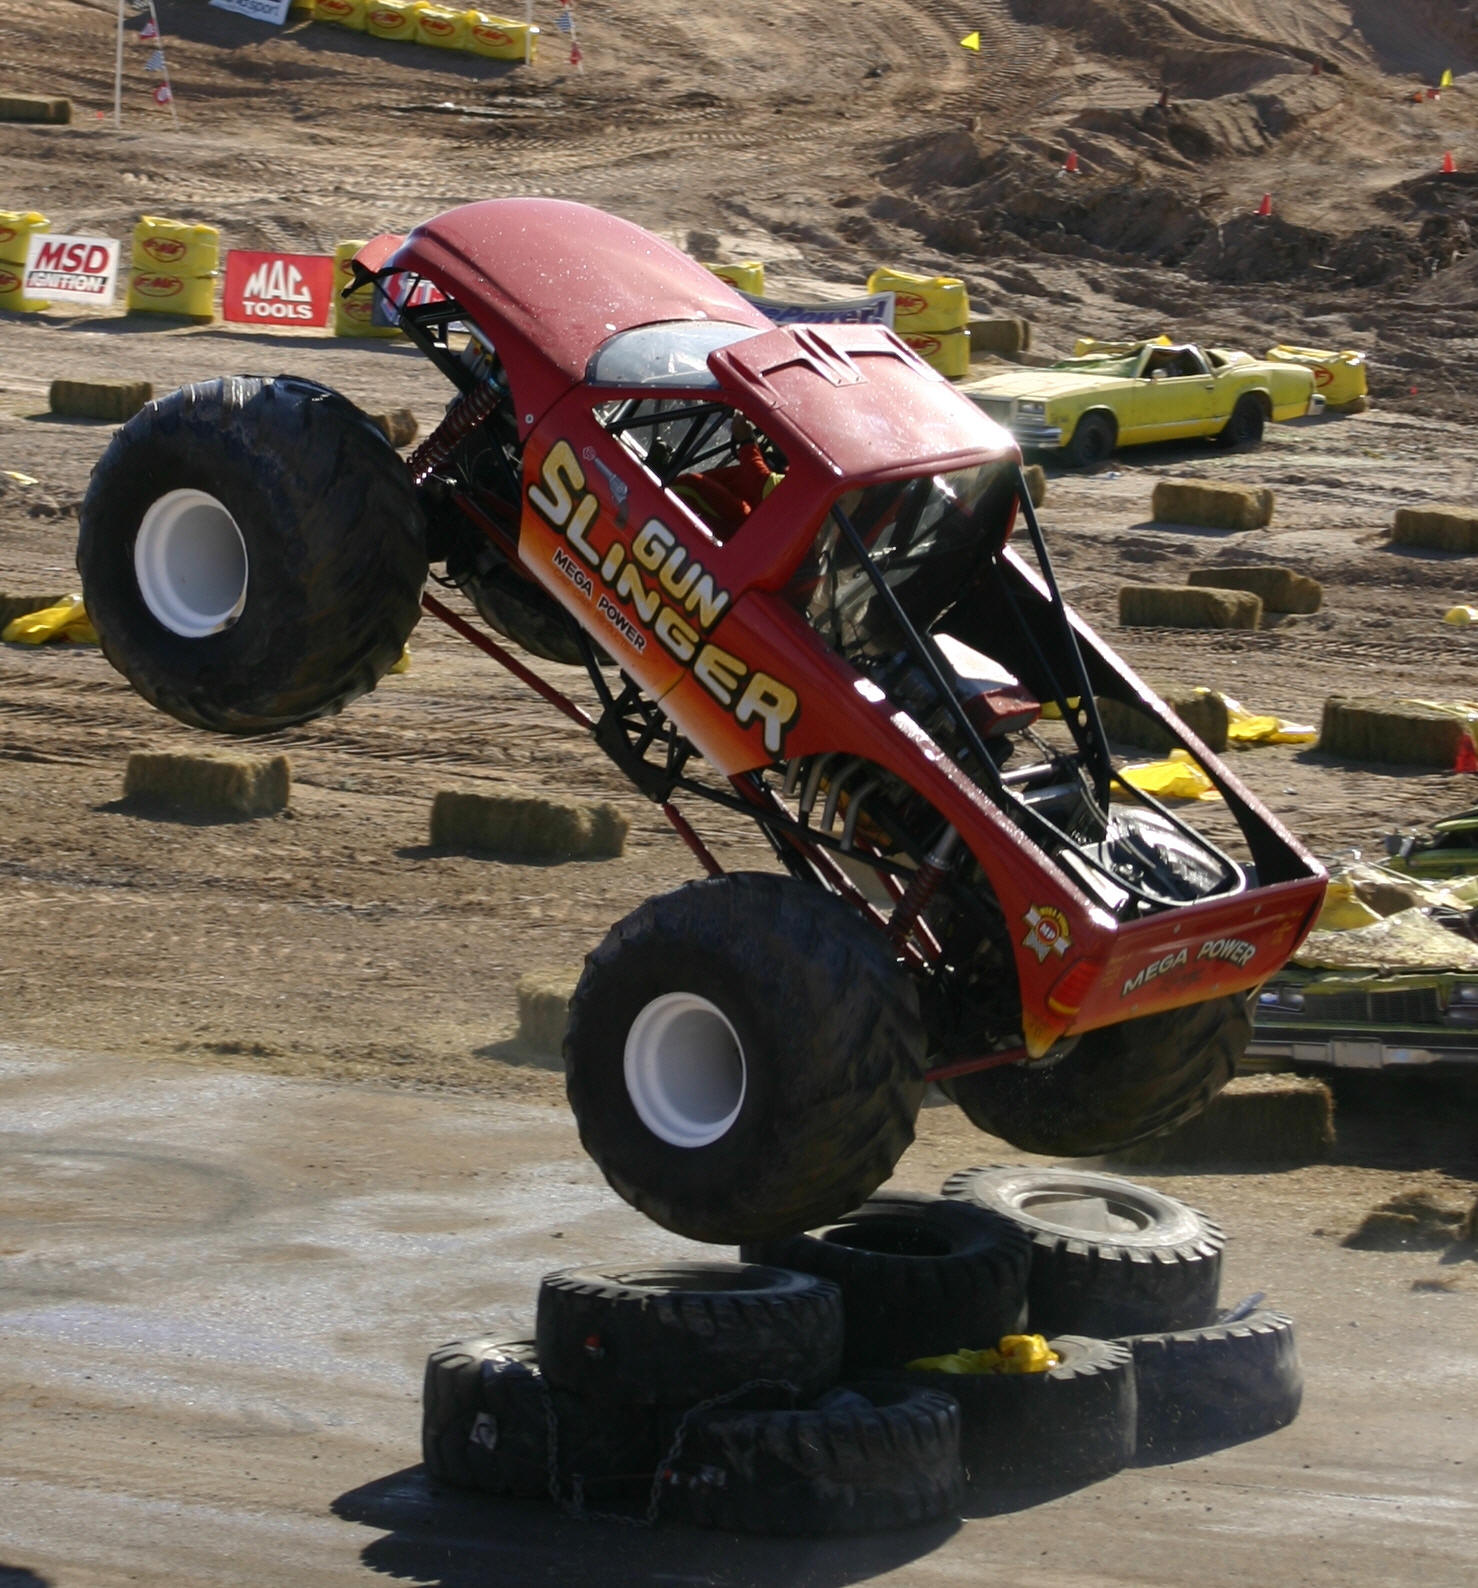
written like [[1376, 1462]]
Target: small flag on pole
[[155, 63], [162, 95], [565, 22], [575, 55], [150, 30], [971, 41], [1446, 81]]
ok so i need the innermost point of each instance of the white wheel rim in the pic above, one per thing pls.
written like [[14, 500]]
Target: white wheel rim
[[685, 1070], [190, 562]]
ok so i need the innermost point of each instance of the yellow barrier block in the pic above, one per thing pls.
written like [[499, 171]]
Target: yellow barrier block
[[347, 13], [392, 19], [443, 28], [352, 315], [1339, 378], [16, 230], [163, 292], [501, 38], [946, 351], [923, 303], [180, 247], [11, 296], [748, 276]]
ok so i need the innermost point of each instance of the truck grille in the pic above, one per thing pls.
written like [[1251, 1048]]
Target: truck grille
[[1408, 1007], [997, 408]]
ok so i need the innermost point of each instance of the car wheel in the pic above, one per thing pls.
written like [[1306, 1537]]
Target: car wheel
[[1244, 428], [1109, 1257], [744, 1058], [1093, 441]]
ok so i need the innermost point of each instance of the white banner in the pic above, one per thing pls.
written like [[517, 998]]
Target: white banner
[[875, 309], [273, 11], [71, 269]]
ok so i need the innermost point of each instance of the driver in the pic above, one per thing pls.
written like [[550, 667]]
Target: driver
[[725, 496]]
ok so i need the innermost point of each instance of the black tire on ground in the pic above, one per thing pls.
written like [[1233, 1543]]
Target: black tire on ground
[[1116, 1085], [485, 1425], [744, 1058], [1202, 1388], [1244, 427], [252, 553], [676, 1334], [919, 1276], [1094, 439], [1109, 1257], [868, 1457], [1072, 1424]]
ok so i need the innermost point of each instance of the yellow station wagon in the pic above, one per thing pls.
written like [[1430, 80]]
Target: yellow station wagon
[[1124, 393]]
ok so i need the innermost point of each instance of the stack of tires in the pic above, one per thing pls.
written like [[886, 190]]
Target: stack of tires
[[775, 1395]]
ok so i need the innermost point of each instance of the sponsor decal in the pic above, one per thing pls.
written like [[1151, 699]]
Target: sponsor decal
[[673, 597], [164, 250], [924, 346], [574, 573], [9, 281], [8, 234], [438, 27], [906, 303], [158, 286], [333, 8], [491, 35], [390, 21], [277, 289], [1156, 968], [876, 308], [72, 269], [1230, 950], [1047, 931]]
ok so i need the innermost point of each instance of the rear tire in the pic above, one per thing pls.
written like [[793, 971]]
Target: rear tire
[[252, 553], [1118, 1085], [1093, 442], [744, 1058]]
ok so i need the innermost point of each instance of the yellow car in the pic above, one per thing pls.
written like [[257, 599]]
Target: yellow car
[[1124, 393]]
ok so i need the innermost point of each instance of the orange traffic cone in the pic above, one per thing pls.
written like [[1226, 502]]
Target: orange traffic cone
[[1070, 165], [1467, 755], [1449, 165], [1266, 207]]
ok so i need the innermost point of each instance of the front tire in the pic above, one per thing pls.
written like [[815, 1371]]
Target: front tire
[[1118, 1085], [1245, 427], [252, 553], [1093, 441], [744, 1058]]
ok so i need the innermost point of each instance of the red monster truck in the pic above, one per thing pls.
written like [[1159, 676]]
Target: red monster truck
[[784, 557]]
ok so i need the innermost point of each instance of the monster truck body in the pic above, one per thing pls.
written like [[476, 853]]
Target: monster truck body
[[861, 666]]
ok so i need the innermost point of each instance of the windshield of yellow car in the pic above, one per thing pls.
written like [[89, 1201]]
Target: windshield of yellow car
[[1103, 364]]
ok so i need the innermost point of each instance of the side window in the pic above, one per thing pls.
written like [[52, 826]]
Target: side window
[[705, 454]]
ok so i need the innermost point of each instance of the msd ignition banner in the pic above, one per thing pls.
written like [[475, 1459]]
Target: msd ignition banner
[[273, 11], [71, 269], [277, 289], [875, 309]]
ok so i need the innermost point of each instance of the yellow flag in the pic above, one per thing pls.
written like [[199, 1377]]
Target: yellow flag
[[971, 41], [1445, 83]]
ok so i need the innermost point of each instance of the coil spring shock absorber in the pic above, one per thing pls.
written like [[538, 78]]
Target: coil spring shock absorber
[[464, 415], [922, 889]]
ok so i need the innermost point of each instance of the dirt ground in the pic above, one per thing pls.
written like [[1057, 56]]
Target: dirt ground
[[328, 965]]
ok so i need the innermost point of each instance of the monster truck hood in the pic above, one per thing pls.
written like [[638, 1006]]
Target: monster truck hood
[[1043, 385]]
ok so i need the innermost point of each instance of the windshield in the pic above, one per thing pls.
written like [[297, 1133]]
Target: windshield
[[674, 353], [929, 537]]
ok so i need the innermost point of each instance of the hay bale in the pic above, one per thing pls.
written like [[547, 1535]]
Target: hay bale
[[20, 606], [1436, 528], [224, 785], [530, 826], [1399, 735], [398, 425], [544, 1008], [1006, 335], [114, 400], [1036, 483], [1211, 504], [1279, 589], [1204, 714], [1410, 1221], [52, 112], [1255, 1119], [1167, 606]]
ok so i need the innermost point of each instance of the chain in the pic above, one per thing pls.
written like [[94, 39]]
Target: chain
[[574, 1504]]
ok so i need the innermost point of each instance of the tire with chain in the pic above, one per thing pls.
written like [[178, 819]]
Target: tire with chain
[[1109, 1257], [1202, 1388], [488, 1416], [677, 1334], [744, 1058], [919, 1276], [865, 1458], [252, 553], [1115, 1086], [1073, 1423]]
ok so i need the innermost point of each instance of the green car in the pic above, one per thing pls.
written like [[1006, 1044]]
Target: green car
[[1122, 394]]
